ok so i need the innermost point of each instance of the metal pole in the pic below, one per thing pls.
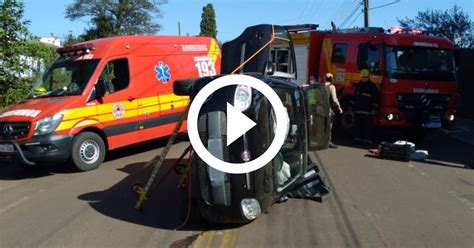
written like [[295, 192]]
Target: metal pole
[[179, 28], [366, 13]]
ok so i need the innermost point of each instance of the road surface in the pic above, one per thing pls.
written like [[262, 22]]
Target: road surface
[[373, 203]]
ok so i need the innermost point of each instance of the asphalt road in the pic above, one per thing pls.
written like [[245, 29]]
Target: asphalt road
[[373, 203]]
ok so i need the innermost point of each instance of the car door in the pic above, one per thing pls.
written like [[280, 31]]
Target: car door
[[291, 161], [317, 116], [117, 110]]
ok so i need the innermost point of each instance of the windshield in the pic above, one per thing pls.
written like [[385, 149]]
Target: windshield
[[64, 78], [419, 63], [281, 54]]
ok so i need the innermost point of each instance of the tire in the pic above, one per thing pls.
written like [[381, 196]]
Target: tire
[[183, 87], [88, 151], [347, 122]]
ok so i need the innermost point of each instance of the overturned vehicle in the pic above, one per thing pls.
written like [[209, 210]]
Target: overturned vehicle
[[264, 52]]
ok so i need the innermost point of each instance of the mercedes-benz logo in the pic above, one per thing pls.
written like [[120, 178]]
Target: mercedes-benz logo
[[425, 99], [7, 129]]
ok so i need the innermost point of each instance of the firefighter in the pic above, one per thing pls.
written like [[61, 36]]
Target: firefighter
[[366, 104], [333, 102]]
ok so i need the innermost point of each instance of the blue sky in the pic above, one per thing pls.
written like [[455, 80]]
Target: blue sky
[[47, 16]]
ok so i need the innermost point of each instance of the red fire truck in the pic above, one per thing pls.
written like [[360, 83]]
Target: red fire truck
[[414, 72]]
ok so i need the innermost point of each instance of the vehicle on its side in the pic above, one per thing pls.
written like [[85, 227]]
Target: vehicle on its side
[[413, 71], [104, 94], [240, 198]]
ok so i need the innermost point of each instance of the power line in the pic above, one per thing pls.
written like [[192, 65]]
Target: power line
[[315, 10], [355, 19], [352, 13], [383, 5], [304, 10], [343, 9], [310, 10], [344, 16]]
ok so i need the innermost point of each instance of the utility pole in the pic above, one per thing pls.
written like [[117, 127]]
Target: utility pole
[[366, 13]]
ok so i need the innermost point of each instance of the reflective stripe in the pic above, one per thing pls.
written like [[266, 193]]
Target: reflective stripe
[[103, 113], [214, 50]]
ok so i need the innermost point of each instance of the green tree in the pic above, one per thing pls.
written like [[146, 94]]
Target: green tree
[[116, 17], [70, 39], [453, 24], [18, 51], [208, 21], [13, 34]]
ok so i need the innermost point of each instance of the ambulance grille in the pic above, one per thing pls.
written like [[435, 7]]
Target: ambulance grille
[[14, 130]]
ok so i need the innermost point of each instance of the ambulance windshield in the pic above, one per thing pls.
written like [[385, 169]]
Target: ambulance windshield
[[64, 78]]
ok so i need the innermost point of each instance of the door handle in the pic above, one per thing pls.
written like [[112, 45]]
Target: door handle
[[130, 98]]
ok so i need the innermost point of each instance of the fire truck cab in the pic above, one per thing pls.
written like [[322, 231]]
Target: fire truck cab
[[414, 72], [104, 94]]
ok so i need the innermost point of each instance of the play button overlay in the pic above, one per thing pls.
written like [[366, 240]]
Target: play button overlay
[[237, 124]]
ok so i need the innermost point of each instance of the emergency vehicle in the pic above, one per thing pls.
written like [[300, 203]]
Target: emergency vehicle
[[104, 94], [414, 72]]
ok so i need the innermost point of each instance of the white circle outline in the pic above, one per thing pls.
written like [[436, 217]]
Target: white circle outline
[[262, 160]]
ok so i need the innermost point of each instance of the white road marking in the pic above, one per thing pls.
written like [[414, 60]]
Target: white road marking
[[14, 204]]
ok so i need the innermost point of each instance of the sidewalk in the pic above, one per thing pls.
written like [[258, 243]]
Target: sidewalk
[[463, 131]]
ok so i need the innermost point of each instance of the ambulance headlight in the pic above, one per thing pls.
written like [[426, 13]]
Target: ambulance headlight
[[250, 208], [48, 124], [242, 97]]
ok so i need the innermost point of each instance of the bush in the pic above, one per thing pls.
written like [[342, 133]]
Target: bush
[[16, 91]]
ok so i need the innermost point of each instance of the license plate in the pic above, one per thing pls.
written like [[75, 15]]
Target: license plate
[[6, 148], [435, 118], [434, 122]]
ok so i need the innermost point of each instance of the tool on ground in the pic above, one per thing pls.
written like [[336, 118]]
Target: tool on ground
[[157, 162]]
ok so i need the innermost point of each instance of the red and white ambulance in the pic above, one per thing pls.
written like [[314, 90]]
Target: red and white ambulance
[[104, 94]]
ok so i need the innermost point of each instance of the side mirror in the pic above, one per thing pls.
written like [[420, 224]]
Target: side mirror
[[100, 89], [269, 69]]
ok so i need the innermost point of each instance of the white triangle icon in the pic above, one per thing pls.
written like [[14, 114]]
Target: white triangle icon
[[237, 124]]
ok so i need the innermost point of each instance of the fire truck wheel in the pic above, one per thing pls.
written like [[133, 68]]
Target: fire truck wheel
[[88, 151], [348, 121]]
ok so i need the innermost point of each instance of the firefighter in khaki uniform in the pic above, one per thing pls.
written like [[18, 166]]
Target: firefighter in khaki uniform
[[366, 104], [333, 103]]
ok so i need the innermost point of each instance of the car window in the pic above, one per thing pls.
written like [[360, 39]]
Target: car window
[[116, 75]]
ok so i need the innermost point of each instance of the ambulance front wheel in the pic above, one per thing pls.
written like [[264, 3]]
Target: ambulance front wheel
[[88, 151]]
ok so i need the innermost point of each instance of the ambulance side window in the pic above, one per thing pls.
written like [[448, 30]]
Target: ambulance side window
[[339, 53], [116, 75]]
